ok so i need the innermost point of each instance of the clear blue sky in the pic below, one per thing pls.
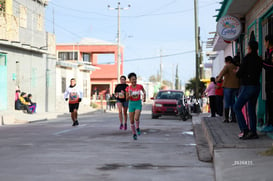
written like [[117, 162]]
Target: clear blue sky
[[146, 27]]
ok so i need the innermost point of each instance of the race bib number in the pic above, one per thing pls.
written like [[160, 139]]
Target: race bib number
[[135, 94], [121, 95], [73, 98]]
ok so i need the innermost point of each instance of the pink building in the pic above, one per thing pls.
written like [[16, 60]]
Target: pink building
[[99, 55]]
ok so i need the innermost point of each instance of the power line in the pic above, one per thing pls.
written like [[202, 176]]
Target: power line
[[156, 57], [134, 16]]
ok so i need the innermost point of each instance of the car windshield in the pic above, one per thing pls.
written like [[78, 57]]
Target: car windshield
[[169, 95]]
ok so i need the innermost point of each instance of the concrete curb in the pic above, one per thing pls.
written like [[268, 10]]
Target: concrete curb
[[226, 149], [208, 137], [202, 146], [18, 117], [40, 120]]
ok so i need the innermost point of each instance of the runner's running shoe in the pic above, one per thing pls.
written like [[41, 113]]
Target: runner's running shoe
[[240, 135], [121, 126], [268, 128], [138, 131], [76, 123], [125, 126], [135, 137]]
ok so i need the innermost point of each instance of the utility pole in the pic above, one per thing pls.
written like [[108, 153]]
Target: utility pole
[[118, 8], [173, 78], [53, 24], [161, 68], [196, 48]]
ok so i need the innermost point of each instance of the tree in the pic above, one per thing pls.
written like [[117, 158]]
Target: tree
[[167, 83], [176, 79], [191, 86], [2, 5], [155, 78]]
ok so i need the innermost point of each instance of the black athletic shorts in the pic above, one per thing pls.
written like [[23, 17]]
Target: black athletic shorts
[[73, 106]]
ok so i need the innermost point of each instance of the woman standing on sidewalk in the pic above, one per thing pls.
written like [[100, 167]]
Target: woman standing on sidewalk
[[231, 86], [249, 74], [122, 104], [210, 90], [133, 94]]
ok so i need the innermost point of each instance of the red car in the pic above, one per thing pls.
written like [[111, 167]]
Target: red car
[[165, 103]]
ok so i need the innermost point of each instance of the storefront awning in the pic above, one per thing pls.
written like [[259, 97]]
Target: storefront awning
[[80, 65], [219, 44], [237, 8]]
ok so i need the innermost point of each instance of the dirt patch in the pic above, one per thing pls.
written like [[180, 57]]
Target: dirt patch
[[268, 152]]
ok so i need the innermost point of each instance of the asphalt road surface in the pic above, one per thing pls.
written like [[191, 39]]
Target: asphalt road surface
[[97, 150]]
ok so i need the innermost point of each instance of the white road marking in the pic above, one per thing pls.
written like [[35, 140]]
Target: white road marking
[[69, 130]]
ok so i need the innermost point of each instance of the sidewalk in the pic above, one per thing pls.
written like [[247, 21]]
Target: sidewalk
[[235, 159], [18, 117]]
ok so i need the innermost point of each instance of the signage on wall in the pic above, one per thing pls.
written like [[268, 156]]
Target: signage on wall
[[229, 28]]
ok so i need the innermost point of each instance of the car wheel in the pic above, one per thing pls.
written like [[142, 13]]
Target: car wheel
[[184, 118], [154, 116]]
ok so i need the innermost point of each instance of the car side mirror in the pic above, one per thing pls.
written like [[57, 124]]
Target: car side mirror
[[152, 98]]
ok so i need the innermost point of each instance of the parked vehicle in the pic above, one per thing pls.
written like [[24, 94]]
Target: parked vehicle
[[183, 109], [165, 103]]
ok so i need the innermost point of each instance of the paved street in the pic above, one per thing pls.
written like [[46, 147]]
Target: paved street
[[97, 150]]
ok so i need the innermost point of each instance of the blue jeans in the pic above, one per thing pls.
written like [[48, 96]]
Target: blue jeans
[[249, 95], [229, 97]]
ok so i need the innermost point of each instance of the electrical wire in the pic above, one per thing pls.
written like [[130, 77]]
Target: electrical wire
[[134, 16], [156, 57]]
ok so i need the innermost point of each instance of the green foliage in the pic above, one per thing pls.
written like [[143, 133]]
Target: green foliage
[[268, 152], [94, 105], [166, 83], [2, 5], [154, 78], [190, 86]]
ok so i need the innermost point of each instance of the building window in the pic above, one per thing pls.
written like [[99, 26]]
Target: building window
[[86, 57], [267, 28], [106, 58], [2, 60], [99, 90], [63, 84], [40, 22], [23, 16], [68, 56], [34, 77]]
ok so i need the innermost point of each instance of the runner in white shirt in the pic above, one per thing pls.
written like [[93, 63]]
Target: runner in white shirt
[[74, 94]]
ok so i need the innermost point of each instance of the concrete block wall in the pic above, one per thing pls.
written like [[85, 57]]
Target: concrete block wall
[[51, 84], [31, 34], [257, 11], [218, 63], [30, 73]]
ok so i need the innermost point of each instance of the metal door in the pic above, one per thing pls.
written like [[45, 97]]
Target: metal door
[[3, 82]]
